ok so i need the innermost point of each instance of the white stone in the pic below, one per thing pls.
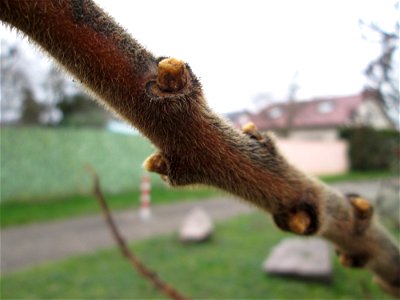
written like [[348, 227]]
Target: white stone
[[307, 258], [196, 227]]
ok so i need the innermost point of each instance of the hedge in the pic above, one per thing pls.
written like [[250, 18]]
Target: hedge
[[40, 163], [372, 149]]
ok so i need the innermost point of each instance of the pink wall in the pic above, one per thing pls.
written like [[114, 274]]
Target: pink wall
[[316, 157]]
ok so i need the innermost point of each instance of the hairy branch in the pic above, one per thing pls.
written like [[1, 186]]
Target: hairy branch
[[122, 245], [164, 100]]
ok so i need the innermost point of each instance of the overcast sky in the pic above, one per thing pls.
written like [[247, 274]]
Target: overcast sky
[[240, 49]]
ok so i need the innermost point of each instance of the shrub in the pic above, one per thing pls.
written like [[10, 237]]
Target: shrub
[[50, 163], [372, 149]]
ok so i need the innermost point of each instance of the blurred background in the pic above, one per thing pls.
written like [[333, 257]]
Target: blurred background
[[322, 75]]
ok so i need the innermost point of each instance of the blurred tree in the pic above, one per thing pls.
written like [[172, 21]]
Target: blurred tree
[[261, 101], [383, 72], [291, 107], [80, 110], [15, 83], [31, 109], [55, 86], [64, 104]]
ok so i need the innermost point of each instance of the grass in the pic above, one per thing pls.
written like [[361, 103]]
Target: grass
[[228, 267], [24, 212], [358, 175]]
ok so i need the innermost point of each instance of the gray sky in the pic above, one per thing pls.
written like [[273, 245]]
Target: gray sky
[[243, 48]]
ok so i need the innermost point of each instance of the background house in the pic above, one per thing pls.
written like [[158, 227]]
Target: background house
[[239, 118], [319, 119], [308, 131]]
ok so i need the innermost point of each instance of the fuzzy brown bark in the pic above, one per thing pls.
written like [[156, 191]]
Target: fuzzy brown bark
[[164, 100]]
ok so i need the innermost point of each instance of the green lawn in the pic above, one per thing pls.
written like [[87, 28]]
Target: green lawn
[[24, 212], [228, 267], [358, 175]]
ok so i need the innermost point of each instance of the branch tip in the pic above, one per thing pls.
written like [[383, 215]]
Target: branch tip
[[171, 75]]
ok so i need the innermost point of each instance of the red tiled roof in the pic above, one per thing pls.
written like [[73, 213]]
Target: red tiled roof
[[338, 111]]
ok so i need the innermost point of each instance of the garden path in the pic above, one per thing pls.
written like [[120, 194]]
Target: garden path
[[28, 245]]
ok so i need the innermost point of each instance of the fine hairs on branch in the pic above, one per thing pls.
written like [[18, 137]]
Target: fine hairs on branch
[[164, 100]]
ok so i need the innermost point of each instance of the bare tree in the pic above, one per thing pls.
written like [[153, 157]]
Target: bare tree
[[78, 109], [383, 72], [291, 106], [15, 83], [55, 86], [163, 99], [18, 100], [31, 110]]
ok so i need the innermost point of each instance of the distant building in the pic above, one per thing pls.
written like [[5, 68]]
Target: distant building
[[320, 119], [240, 118]]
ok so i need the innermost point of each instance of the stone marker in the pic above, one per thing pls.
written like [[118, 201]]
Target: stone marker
[[306, 258], [197, 226]]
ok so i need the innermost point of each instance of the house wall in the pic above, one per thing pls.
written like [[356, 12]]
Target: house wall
[[316, 157], [321, 134], [370, 113]]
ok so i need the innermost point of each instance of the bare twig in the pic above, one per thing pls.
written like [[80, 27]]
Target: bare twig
[[144, 271]]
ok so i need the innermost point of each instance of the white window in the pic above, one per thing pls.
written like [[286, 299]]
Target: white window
[[325, 107], [243, 120], [275, 113]]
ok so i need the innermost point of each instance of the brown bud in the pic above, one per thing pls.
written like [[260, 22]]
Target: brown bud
[[345, 260], [300, 219], [171, 75], [251, 130], [353, 261], [156, 163], [299, 222], [165, 178], [363, 207]]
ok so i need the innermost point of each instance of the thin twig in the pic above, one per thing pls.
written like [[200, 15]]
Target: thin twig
[[126, 252]]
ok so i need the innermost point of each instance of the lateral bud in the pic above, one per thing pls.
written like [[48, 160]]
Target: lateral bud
[[352, 260], [301, 219], [156, 163], [251, 130], [362, 207], [171, 75], [299, 222], [363, 211], [265, 140]]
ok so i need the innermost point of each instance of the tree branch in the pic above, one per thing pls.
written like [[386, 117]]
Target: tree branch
[[164, 100], [122, 245]]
